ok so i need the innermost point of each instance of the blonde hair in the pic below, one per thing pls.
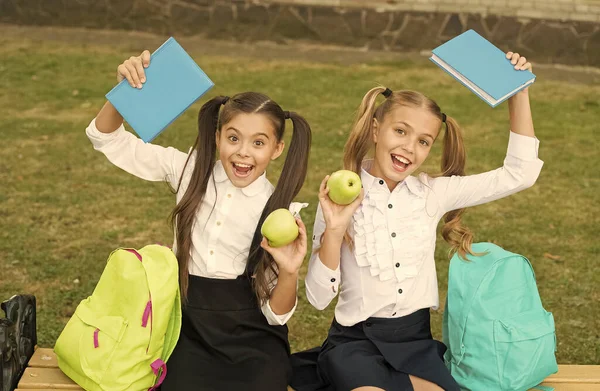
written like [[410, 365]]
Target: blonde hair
[[453, 160]]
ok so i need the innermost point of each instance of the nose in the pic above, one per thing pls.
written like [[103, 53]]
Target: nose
[[409, 147], [243, 150]]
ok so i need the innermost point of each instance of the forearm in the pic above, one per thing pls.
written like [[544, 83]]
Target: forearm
[[283, 295], [330, 250], [519, 110], [108, 119]]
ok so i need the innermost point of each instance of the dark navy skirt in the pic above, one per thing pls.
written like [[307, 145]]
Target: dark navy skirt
[[226, 342], [378, 352]]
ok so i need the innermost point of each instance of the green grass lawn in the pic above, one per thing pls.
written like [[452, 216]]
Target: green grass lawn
[[64, 207]]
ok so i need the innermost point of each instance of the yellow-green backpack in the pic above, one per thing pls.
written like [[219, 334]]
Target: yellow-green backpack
[[121, 336]]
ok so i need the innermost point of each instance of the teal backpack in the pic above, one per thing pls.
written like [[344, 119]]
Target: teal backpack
[[121, 336], [499, 337]]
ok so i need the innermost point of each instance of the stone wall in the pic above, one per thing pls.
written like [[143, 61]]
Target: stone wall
[[548, 31]]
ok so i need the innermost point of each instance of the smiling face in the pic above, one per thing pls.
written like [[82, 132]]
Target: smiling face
[[402, 140], [247, 143]]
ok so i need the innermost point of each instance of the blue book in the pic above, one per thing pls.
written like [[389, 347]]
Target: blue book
[[173, 82], [481, 67]]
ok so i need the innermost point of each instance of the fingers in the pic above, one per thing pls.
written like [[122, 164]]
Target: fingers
[[139, 68], [132, 68], [264, 243], [522, 61], [145, 57], [123, 72], [518, 61], [302, 236], [323, 190], [355, 204]]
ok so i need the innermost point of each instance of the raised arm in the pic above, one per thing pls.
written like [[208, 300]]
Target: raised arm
[[123, 149]]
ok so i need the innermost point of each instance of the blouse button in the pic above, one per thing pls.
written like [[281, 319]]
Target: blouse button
[[393, 234], [400, 291], [218, 223], [228, 195], [381, 182], [390, 206], [397, 264], [211, 252], [368, 324], [332, 280]]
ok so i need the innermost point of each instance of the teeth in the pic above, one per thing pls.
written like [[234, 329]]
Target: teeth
[[401, 159], [243, 165]]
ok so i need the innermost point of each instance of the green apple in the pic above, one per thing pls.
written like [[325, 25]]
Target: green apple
[[344, 186], [280, 228]]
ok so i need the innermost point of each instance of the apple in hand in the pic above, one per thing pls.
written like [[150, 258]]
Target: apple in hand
[[344, 186], [280, 228]]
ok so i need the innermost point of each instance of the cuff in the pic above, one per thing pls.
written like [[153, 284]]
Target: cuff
[[523, 147], [273, 318], [325, 276]]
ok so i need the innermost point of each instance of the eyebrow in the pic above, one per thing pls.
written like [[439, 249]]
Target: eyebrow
[[254, 135], [408, 126]]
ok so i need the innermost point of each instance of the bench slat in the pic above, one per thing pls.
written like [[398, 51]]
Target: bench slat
[[571, 386], [43, 358], [568, 378], [46, 378], [576, 374]]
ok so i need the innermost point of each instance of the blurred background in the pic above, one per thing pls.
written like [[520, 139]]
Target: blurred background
[[64, 207]]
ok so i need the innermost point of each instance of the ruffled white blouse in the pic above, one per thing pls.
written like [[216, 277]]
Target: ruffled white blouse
[[390, 270]]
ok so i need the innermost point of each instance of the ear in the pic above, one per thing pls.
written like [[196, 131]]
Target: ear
[[375, 130], [278, 150], [218, 138]]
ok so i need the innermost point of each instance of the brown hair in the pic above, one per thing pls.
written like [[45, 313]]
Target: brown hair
[[210, 120], [453, 161]]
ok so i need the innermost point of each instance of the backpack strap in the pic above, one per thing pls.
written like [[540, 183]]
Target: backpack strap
[[158, 366]]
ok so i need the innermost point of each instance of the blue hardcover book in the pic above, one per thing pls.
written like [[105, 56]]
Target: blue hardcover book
[[173, 82], [481, 67]]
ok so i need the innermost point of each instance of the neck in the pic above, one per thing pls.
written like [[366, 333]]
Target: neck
[[376, 171]]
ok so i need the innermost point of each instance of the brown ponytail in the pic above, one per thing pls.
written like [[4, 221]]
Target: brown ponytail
[[261, 264], [183, 216]]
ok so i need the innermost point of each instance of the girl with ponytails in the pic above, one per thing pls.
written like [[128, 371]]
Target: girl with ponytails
[[378, 252], [237, 291]]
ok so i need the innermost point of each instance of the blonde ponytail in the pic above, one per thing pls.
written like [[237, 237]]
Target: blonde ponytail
[[360, 140]]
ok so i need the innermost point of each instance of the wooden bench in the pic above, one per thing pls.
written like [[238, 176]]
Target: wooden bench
[[43, 374]]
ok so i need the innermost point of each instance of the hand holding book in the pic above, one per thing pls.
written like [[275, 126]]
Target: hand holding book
[[171, 84], [132, 69], [482, 67], [521, 64]]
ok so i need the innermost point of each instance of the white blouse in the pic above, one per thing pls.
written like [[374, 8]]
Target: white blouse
[[391, 272], [227, 217]]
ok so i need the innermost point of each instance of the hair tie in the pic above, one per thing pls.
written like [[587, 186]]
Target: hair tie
[[225, 100], [443, 118], [387, 93], [286, 115]]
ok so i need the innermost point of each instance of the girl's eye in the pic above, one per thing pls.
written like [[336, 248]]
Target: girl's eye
[[259, 143], [425, 143], [400, 131], [233, 138]]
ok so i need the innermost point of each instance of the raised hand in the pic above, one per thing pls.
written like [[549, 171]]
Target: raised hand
[[132, 69]]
